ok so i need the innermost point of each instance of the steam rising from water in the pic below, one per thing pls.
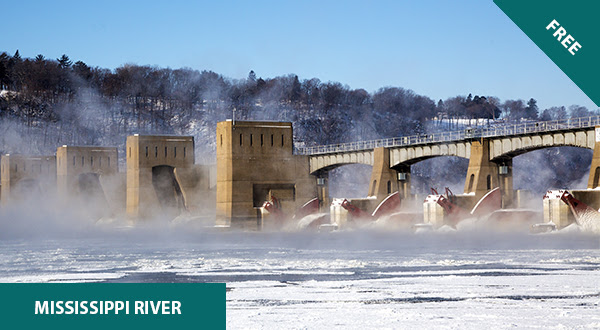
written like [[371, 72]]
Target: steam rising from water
[[543, 170], [47, 216]]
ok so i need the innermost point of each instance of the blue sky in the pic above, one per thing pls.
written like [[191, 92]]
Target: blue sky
[[436, 48]]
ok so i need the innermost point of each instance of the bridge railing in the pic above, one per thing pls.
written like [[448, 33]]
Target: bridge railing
[[468, 133]]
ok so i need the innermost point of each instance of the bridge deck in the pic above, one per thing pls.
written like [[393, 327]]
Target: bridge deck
[[455, 136]]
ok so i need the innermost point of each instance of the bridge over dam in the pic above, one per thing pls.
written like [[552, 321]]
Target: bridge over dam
[[256, 160], [489, 150]]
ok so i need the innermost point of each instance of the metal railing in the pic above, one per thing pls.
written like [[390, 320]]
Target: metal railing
[[465, 134]]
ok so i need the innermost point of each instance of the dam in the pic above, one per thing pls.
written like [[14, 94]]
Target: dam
[[262, 180]]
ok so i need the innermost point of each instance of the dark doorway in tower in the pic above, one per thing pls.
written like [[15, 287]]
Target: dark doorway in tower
[[167, 189], [89, 185]]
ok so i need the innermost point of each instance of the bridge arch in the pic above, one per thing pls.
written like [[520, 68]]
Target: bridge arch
[[406, 156], [413, 161], [324, 170], [510, 147], [320, 164]]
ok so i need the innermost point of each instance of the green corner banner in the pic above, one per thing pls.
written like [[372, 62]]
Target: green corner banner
[[567, 31], [111, 306]]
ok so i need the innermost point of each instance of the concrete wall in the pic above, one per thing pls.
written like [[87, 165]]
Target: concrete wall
[[255, 159], [557, 211], [197, 188], [23, 175], [80, 172], [72, 161], [433, 214], [144, 152]]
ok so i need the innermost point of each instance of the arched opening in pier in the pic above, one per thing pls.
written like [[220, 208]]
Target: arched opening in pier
[[167, 189], [471, 182]]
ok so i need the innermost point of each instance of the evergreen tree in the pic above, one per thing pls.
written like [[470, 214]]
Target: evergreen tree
[[64, 61], [440, 105], [252, 76], [4, 81], [296, 91], [531, 111], [82, 70]]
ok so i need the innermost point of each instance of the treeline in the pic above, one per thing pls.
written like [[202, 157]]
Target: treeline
[[61, 101]]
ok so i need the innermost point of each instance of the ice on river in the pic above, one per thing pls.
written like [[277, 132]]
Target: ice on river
[[345, 280]]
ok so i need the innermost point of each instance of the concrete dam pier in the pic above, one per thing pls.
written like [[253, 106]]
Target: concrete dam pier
[[255, 162]]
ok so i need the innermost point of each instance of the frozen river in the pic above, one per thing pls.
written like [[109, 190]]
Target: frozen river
[[343, 280]]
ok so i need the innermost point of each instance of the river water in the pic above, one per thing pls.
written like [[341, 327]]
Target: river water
[[357, 279]]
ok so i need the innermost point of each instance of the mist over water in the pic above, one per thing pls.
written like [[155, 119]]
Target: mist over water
[[344, 279], [176, 247], [542, 170], [360, 277]]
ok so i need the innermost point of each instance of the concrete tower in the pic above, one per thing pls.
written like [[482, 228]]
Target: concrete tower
[[152, 165], [255, 161]]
